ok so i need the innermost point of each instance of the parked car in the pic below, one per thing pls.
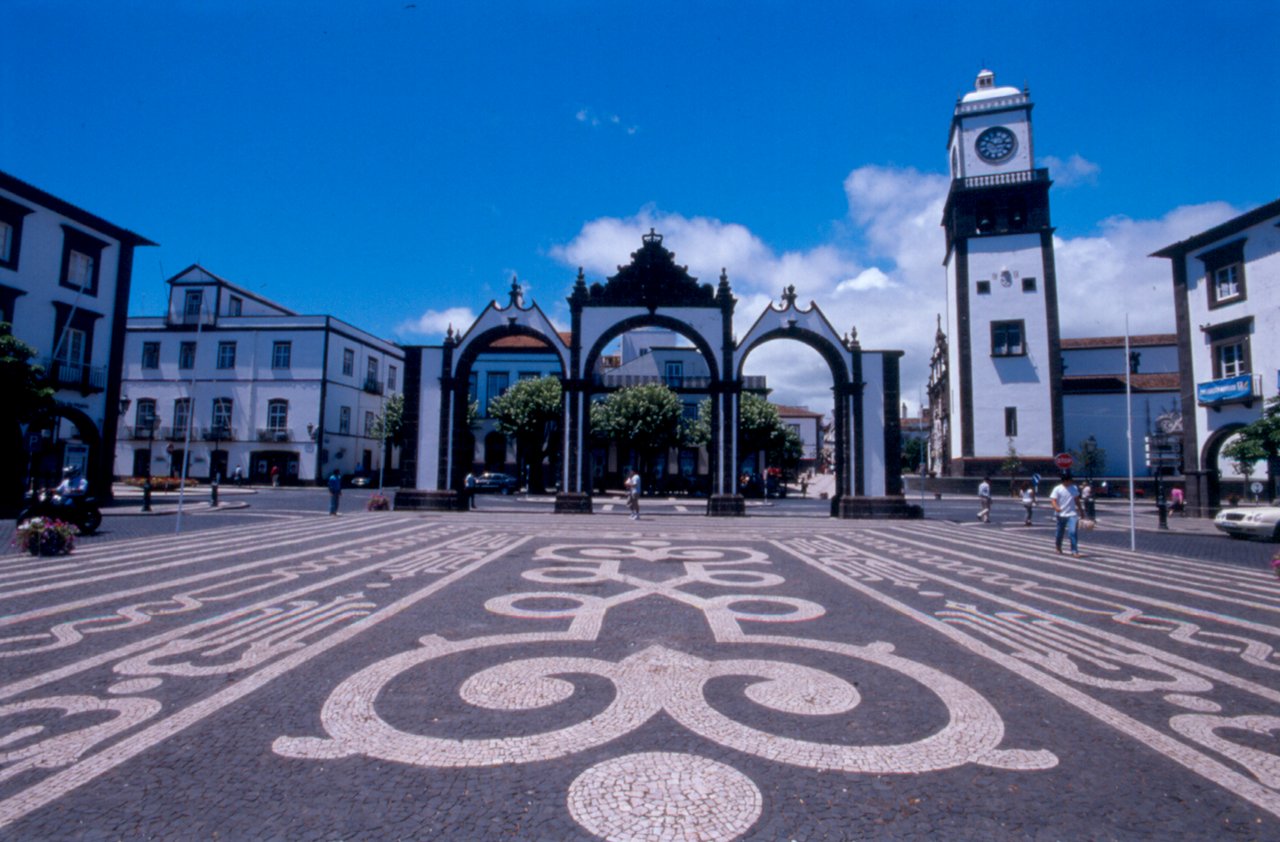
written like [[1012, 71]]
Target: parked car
[[1254, 522], [496, 483], [360, 479]]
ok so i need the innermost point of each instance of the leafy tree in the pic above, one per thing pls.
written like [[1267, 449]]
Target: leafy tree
[[913, 453], [646, 418], [26, 396], [1259, 440], [759, 428], [529, 412], [389, 426], [22, 381], [1011, 465], [1090, 459]]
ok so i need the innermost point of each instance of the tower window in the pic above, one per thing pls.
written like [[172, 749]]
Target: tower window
[[984, 287], [1010, 421], [1008, 339], [1028, 284]]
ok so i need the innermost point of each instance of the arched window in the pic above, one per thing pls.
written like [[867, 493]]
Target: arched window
[[278, 415]]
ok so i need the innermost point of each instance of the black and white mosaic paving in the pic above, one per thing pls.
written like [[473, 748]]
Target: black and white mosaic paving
[[392, 676]]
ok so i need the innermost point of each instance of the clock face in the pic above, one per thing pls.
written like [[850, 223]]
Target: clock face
[[996, 144]]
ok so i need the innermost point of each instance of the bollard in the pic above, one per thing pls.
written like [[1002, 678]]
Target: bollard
[[146, 495], [1163, 509], [213, 492]]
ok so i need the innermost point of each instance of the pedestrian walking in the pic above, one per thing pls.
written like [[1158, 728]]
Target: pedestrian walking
[[335, 491], [984, 500], [1090, 503], [469, 491], [633, 494], [1065, 499], [238, 476], [275, 476], [1028, 501]]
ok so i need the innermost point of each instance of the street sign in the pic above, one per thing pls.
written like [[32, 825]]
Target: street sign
[[1256, 488], [1064, 461]]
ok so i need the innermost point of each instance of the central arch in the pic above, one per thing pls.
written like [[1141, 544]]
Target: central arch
[[653, 291]]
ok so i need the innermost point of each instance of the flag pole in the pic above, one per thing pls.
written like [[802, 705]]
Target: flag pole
[[1128, 428]]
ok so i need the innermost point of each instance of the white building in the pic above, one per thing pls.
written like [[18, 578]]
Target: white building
[[1226, 290], [248, 384], [64, 287], [1095, 408], [1004, 360]]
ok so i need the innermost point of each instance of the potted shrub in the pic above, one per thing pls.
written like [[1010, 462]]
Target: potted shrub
[[46, 536]]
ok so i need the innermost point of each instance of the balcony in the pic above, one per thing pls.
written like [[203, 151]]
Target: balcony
[[273, 434], [1243, 388], [372, 385], [1003, 179], [217, 433], [141, 431], [64, 375], [751, 383]]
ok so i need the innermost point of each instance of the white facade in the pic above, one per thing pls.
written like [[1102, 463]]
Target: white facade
[[245, 383], [1227, 303], [64, 287], [1002, 324]]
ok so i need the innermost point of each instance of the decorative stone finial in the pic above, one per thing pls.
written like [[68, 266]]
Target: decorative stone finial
[[517, 294], [652, 237], [789, 297]]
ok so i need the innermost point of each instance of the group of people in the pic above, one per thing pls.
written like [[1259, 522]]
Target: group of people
[[1070, 504]]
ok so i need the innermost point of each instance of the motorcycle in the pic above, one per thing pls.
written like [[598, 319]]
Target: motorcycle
[[81, 511]]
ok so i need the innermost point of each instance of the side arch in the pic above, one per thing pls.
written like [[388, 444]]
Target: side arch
[[1209, 454]]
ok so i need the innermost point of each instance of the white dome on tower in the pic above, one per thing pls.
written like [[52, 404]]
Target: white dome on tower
[[985, 88]]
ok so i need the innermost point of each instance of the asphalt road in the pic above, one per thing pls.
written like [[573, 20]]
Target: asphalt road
[[273, 672]]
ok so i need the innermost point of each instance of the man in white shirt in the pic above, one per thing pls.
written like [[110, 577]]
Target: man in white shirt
[[633, 494], [1065, 500], [984, 500]]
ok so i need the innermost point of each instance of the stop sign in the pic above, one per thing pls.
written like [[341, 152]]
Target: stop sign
[[1064, 461]]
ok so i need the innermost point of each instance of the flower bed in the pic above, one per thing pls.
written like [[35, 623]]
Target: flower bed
[[46, 536]]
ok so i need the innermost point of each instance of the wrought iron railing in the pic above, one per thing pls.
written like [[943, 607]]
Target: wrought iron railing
[[274, 434], [63, 374]]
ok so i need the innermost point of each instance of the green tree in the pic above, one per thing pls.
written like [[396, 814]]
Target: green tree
[[1090, 460], [22, 383], [913, 453], [388, 428], [1011, 465], [759, 428], [646, 418], [1244, 453], [529, 412], [1259, 440]]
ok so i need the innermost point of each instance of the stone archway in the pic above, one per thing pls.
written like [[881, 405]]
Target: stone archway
[[444, 446], [1210, 475], [48, 457], [654, 291], [865, 407]]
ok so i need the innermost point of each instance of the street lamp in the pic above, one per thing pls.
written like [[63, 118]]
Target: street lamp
[[1090, 447]]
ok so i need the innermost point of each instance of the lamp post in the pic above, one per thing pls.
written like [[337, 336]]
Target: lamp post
[[1090, 447], [146, 479]]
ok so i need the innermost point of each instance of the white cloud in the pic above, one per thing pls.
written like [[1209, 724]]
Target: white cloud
[[871, 278], [589, 117], [1112, 268], [1071, 172], [436, 322], [892, 288]]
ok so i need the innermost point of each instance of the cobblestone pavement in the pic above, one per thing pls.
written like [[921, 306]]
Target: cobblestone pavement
[[397, 676]]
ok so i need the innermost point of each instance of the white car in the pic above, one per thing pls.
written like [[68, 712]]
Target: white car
[[1256, 522]]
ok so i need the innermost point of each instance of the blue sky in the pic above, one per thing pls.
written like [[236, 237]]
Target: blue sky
[[394, 163]]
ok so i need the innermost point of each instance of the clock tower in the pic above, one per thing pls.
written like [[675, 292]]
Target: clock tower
[[1004, 360]]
